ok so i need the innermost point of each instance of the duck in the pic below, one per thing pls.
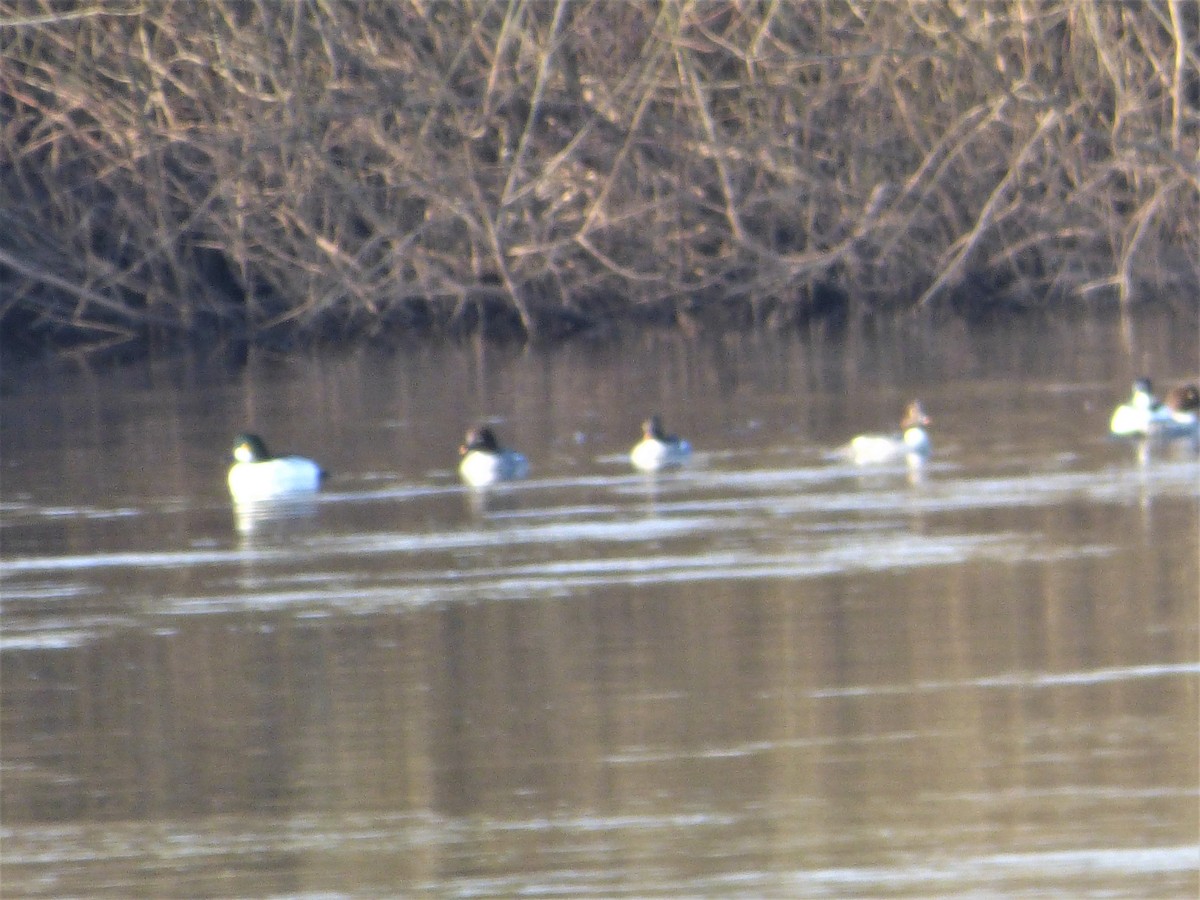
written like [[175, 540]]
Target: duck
[[1183, 402], [658, 450], [911, 443], [485, 462], [258, 475], [1144, 415], [1183, 399], [1133, 417]]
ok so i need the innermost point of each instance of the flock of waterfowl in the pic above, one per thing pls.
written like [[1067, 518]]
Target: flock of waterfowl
[[256, 475]]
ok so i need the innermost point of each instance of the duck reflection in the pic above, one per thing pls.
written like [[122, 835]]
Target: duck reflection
[[274, 517], [913, 472], [485, 500], [1149, 449]]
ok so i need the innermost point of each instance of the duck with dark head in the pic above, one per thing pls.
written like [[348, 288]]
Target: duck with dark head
[[483, 461], [256, 474]]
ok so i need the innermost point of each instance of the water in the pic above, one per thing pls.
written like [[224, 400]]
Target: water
[[769, 674]]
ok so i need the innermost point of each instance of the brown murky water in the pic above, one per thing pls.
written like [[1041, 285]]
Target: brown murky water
[[769, 674]]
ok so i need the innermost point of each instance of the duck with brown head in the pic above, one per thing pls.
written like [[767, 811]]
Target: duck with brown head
[[910, 444], [1183, 398], [1183, 404], [658, 450]]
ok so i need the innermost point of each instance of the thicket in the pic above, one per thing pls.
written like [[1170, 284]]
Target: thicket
[[291, 169]]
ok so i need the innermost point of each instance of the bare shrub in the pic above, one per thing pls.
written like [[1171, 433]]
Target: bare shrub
[[242, 168]]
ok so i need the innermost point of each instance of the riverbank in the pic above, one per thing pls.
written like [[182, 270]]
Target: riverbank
[[213, 172]]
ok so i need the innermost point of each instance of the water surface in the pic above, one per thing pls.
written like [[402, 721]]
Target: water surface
[[769, 674]]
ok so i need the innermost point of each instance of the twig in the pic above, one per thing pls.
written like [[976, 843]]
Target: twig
[[954, 268]]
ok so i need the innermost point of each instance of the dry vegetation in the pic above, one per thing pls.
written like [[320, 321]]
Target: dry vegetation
[[293, 169]]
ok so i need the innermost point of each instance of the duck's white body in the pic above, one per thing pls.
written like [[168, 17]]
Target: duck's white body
[[911, 444], [1143, 415], [871, 449], [480, 468], [485, 462], [1139, 415], [1129, 421], [657, 451], [256, 475], [652, 455], [1183, 424]]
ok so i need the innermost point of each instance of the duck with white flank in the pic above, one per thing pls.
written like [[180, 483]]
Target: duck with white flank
[[658, 450], [1184, 401], [257, 475], [485, 462], [911, 443], [1144, 415]]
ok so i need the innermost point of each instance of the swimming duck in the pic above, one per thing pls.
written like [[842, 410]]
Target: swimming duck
[[658, 450], [257, 475], [1145, 415], [1183, 402], [911, 443], [1183, 398], [485, 462]]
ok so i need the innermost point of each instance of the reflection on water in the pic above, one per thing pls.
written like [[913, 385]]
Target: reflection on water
[[278, 515], [767, 674]]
